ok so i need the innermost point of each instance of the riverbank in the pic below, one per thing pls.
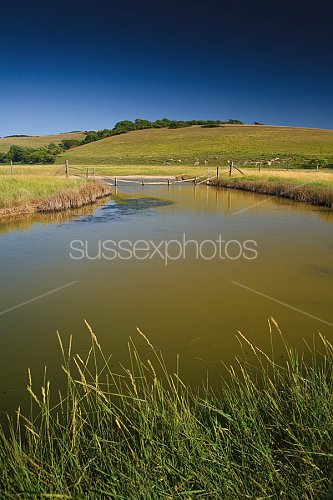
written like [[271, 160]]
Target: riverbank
[[315, 188], [32, 194], [145, 434], [308, 186]]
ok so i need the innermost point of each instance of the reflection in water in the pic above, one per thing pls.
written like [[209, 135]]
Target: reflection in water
[[100, 211], [24, 222], [189, 307], [125, 204]]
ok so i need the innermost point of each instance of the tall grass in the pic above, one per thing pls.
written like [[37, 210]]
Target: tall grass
[[314, 188], [87, 193], [41, 194], [144, 434]]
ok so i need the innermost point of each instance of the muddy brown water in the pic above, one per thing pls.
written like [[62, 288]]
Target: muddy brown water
[[191, 306]]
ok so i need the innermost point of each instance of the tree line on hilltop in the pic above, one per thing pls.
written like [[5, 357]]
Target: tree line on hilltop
[[125, 126], [47, 154]]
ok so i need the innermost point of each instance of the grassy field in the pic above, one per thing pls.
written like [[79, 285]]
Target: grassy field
[[144, 434], [35, 193], [111, 171], [326, 175], [37, 141], [227, 142]]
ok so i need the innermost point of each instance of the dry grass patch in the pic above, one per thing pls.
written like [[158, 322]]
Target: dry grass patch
[[35, 194]]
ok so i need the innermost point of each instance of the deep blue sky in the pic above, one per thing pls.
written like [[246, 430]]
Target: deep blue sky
[[85, 65]]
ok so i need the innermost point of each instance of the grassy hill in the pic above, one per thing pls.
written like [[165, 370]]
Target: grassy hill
[[37, 140], [240, 142]]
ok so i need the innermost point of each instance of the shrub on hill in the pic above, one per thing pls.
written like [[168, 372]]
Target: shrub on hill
[[17, 135], [20, 154], [211, 125], [70, 143], [316, 163]]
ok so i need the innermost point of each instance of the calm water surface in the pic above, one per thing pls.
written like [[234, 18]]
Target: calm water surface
[[190, 307]]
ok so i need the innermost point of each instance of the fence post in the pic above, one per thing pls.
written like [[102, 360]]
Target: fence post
[[87, 174], [115, 181], [67, 168], [11, 167], [217, 173]]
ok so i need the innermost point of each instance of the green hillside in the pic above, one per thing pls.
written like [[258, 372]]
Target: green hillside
[[239, 142], [37, 140]]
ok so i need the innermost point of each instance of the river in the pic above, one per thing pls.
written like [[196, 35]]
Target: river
[[273, 259]]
